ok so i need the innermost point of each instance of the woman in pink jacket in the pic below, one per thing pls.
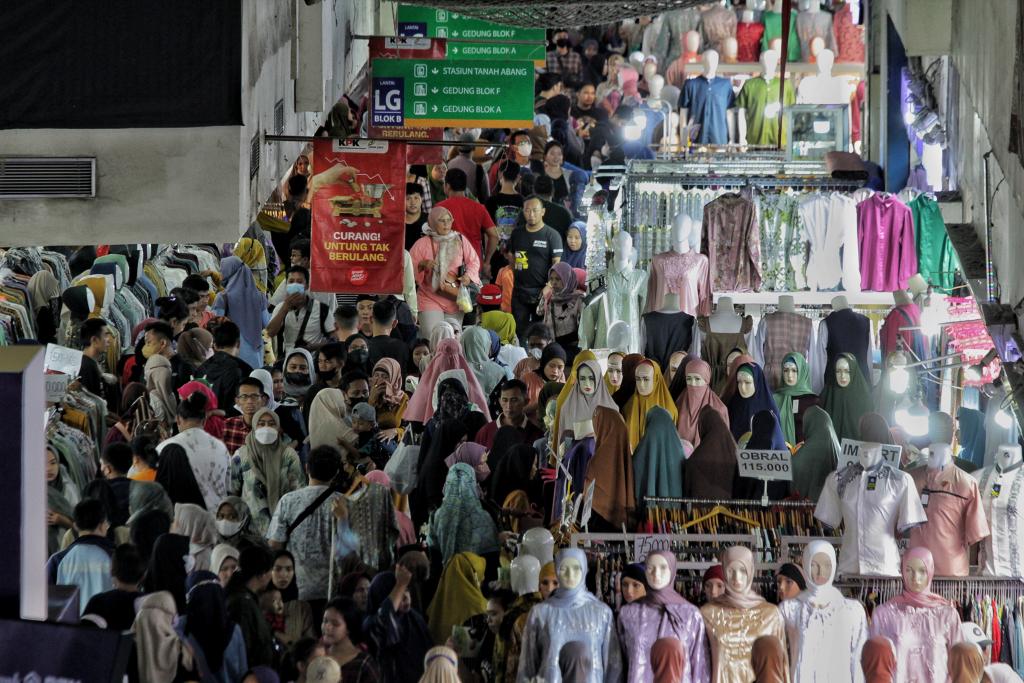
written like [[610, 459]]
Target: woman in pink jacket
[[441, 255]]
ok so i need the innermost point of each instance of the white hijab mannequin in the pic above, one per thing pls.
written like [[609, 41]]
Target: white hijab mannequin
[[524, 573], [725, 318], [820, 568]]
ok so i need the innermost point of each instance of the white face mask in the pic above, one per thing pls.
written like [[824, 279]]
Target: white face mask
[[536, 353], [265, 435], [228, 528]]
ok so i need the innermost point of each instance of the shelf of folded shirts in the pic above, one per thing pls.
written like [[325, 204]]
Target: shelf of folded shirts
[[838, 69], [809, 298]]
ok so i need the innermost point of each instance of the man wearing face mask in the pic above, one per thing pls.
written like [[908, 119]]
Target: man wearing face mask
[[300, 320], [329, 361], [157, 350], [513, 414], [538, 335], [519, 150], [249, 399], [356, 387], [563, 59]]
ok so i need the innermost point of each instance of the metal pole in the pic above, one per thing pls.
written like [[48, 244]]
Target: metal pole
[[990, 270]]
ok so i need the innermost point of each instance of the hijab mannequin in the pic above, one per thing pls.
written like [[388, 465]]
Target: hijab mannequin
[[645, 380], [825, 630], [921, 625], [571, 613], [662, 613]]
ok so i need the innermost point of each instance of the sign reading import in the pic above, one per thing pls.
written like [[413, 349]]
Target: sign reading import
[[850, 448], [767, 465], [430, 22], [424, 93]]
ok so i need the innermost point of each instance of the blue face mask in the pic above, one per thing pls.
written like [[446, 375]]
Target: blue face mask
[[295, 288]]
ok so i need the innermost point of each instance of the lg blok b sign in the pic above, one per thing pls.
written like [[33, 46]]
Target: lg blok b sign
[[358, 203]]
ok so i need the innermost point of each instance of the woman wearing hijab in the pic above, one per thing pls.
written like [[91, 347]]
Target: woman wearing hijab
[[246, 305], [668, 661], [162, 656], [561, 305], [61, 497], [176, 477], [650, 392], [386, 394], [846, 397], [441, 665], [327, 424], [793, 399], [658, 459], [878, 660], [765, 435], [234, 524], [254, 256], [144, 496], [169, 566], [398, 632], [298, 618], [551, 368], [439, 256], [697, 395], [574, 662], [299, 375], [442, 330], [711, 469], [224, 562], [751, 397], [817, 457], [460, 524], [627, 386], [474, 455], [447, 358], [194, 347], [513, 467], [44, 295], [575, 254], [196, 523], [458, 595], [215, 641], [264, 469], [768, 660], [214, 422], [737, 618], [476, 346]]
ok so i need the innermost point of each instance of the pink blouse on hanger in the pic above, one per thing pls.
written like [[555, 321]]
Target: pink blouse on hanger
[[888, 255]]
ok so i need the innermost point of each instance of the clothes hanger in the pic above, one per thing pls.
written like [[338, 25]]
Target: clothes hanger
[[720, 510]]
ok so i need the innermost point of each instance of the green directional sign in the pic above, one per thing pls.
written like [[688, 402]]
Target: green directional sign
[[426, 93], [430, 22], [502, 51]]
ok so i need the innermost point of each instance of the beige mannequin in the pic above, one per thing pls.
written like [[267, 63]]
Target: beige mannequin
[[650, 68], [655, 85], [787, 304], [725, 318], [815, 48], [730, 50], [644, 380], [691, 42]]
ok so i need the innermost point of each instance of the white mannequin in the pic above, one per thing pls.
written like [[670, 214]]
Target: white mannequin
[[870, 457], [540, 543], [692, 42], [670, 304], [659, 574], [816, 46], [747, 16], [650, 68], [619, 334], [824, 88], [730, 50], [524, 573], [839, 303], [787, 304], [710, 61], [636, 60], [570, 573], [625, 255], [769, 65], [682, 225], [1007, 456], [725, 318], [655, 84]]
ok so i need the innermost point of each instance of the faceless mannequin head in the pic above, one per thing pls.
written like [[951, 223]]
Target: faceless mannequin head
[[1008, 455], [869, 456], [659, 573], [650, 69], [645, 379], [821, 569], [710, 61], [730, 50], [733, 355], [570, 573], [843, 372], [682, 225], [674, 361], [747, 16], [619, 336], [636, 60], [825, 60], [695, 380], [525, 574], [915, 575], [625, 255], [587, 381], [745, 382], [816, 46], [769, 64], [790, 373], [775, 45], [540, 543], [614, 373], [655, 83], [940, 428], [691, 41]]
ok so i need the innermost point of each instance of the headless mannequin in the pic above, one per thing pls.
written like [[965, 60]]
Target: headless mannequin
[[824, 88], [670, 304], [725, 318], [769, 65], [539, 543], [902, 297], [524, 575], [710, 59]]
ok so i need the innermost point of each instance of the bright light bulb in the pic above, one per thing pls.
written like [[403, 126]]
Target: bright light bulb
[[631, 132], [1003, 419], [640, 119], [899, 380], [914, 423], [909, 116]]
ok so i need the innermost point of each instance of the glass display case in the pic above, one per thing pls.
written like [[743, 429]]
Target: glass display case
[[815, 130]]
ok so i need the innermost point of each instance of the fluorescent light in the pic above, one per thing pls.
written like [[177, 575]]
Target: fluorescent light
[[913, 422], [899, 380], [631, 132]]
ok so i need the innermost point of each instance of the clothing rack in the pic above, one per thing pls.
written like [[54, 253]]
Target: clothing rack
[[959, 589]]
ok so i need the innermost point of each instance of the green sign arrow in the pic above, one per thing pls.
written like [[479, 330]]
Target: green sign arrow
[[497, 51], [440, 23], [460, 93]]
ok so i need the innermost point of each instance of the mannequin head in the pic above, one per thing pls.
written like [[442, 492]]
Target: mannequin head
[[745, 382], [625, 256], [815, 48], [572, 568], [694, 379], [738, 563], [1008, 455], [655, 83], [674, 361], [825, 60], [839, 303], [682, 225], [730, 50], [660, 569], [691, 41], [650, 69], [725, 306], [769, 64], [918, 569], [539, 542], [645, 379], [525, 574], [550, 410], [822, 566], [636, 60], [619, 337], [869, 457], [614, 373], [941, 428], [843, 372], [790, 373], [710, 61], [775, 45], [586, 380], [733, 355]]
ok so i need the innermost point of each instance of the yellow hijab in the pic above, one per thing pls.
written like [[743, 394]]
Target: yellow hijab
[[97, 284], [458, 595], [637, 406], [252, 254], [501, 323], [566, 391]]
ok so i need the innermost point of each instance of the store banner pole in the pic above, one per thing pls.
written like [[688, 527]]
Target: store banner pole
[[787, 9]]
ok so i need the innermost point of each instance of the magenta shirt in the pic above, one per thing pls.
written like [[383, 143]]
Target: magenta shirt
[[885, 234]]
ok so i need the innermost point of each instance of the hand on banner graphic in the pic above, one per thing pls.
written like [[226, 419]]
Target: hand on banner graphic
[[332, 176]]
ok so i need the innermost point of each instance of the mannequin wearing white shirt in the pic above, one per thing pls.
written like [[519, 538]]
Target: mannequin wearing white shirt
[[1000, 485], [824, 88], [623, 300], [769, 64]]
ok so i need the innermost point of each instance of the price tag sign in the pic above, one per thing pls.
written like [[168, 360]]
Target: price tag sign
[[62, 359], [850, 448], [56, 387], [767, 465]]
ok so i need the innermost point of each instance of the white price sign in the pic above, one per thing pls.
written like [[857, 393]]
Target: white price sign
[[850, 448], [56, 387], [767, 465], [62, 359]]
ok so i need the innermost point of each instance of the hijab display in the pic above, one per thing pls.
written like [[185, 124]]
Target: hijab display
[[628, 385], [602, 458], [878, 660], [658, 459], [846, 397], [650, 390], [875, 502], [921, 625], [584, 392], [711, 469], [695, 396], [817, 457], [794, 396], [570, 614], [751, 397], [737, 618], [662, 613], [825, 630]]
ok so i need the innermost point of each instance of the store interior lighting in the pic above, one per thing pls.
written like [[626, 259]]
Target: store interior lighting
[[913, 420], [974, 372]]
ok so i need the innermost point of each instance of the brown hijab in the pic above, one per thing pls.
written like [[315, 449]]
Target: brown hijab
[[878, 660], [611, 467], [768, 659], [710, 470], [966, 664]]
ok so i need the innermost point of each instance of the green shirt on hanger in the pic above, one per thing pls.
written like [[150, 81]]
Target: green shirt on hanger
[[773, 29], [754, 97], [936, 260]]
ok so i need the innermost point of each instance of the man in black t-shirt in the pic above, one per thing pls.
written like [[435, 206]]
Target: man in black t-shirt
[[95, 338], [556, 216], [415, 216], [535, 247], [506, 209]]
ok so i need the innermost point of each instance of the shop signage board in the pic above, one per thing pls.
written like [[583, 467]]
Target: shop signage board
[[765, 464], [422, 93], [431, 22], [410, 48], [358, 206], [65, 360], [500, 51], [849, 448]]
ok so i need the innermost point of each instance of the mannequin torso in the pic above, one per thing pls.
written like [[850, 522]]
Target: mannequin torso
[[1000, 486], [681, 271], [731, 634], [707, 100], [725, 319], [824, 88]]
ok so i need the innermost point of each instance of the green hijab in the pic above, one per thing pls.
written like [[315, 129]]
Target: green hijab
[[818, 456], [846, 405], [784, 396], [658, 460]]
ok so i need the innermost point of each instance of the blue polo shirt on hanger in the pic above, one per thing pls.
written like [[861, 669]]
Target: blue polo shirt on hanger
[[707, 102]]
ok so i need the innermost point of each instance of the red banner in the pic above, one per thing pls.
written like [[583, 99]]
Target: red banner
[[410, 48], [358, 206]]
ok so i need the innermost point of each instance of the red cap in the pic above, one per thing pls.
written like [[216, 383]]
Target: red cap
[[490, 295], [714, 572]]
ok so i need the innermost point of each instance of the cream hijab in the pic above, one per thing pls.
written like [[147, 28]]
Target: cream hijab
[[825, 594], [159, 647], [744, 597], [327, 425]]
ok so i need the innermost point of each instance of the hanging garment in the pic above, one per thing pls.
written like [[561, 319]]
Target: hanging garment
[[829, 222], [936, 258], [710, 470], [781, 333], [811, 25], [1002, 553], [658, 459], [885, 232], [782, 243], [731, 241], [845, 331], [715, 348], [666, 333], [688, 275]]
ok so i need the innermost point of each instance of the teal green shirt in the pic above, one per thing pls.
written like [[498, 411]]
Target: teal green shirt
[[936, 259], [755, 95], [773, 29]]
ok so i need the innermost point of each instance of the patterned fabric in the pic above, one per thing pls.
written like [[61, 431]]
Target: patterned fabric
[[849, 37], [461, 524], [717, 24], [311, 540], [371, 515], [731, 241], [782, 244], [748, 41], [688, 275], [786, 332], [569, 63], [245, 485], [235, 431]]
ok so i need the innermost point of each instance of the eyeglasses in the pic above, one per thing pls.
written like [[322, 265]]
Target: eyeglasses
[[249, 397]]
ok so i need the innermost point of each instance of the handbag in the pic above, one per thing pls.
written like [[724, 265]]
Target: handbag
[[449, 285], [403, 465]]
